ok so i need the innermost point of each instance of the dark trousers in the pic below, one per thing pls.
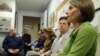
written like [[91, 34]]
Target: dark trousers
[[21, 53], [26, 48]]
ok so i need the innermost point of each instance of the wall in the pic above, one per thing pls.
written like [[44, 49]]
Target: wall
[[53, 5], [98, 46], [96, 3], [50, 9], [98, 20], [45, 16], [20, 18]]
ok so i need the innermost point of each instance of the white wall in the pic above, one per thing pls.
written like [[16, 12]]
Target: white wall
[[53, 5], [20, 18], [50, 9], [97, 15], [95, 21], [98, 46], [98, 21], [46, 13], [96, 3]]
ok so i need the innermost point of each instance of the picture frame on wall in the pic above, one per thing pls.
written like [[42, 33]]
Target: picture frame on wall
[[51, 20], [5, 6]]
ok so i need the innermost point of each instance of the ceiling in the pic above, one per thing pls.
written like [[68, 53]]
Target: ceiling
[[32, 5]]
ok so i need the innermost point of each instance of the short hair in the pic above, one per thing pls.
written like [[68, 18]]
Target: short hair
[[86, 8], [64, 18]]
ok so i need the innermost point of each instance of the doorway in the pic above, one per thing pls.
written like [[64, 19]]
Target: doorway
[[32, 24]]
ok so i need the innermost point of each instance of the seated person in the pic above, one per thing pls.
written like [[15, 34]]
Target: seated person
[[64, 28], [38, 43], [50, 36], [13, 45], [27, 40], [33, 44], [41, 41], [47, 45]]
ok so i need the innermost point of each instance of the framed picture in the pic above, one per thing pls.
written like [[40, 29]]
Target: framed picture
[[51, 20], [5, 6]]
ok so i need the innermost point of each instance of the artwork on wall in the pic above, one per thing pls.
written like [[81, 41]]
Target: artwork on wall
[[6, 15], [5, 7], [51, 20], [5, 24]]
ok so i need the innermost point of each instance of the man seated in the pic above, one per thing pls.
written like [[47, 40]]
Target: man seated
[[13, 44]]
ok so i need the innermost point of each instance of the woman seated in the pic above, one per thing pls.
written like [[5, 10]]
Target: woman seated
[[50, 36]]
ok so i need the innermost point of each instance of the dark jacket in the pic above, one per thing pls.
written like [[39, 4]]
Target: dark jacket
[[13, 42], [40, 43]]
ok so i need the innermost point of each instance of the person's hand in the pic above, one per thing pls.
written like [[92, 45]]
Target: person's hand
[[11, 51], [42, 51], [16, 50], [29, 44], [36, 49], [43, 54], [26, 44]]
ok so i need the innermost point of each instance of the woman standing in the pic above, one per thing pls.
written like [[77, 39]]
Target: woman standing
[[83, 40]]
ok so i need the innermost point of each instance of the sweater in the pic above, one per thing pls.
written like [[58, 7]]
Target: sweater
[[12, 42]]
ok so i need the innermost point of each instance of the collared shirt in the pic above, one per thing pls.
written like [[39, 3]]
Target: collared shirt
[[34, 43], [59, 42]]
